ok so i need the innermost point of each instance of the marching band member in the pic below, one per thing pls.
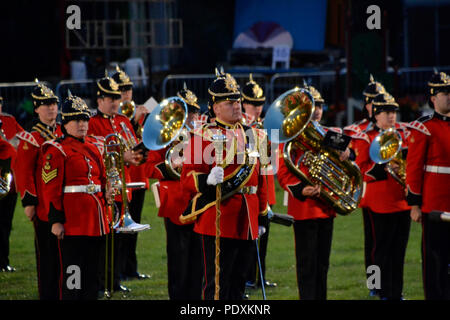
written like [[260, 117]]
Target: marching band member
[[129, 262], [313, 220], [183, 245], [237, 204], [385, 200], [9, 128], [253, 100], [28, 171], [74, 179], [369, 93], [427, 180], [107, 121]]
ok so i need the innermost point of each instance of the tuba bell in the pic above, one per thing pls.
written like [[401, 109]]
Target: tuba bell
[[387, 148], [166, 125], [341, 181]]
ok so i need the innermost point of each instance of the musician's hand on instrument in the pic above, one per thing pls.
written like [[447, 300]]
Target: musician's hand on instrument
[[109, 194], [215, 176], [416, 214], [130, 157], [58, 230], [30, 212], [261, 231], [176, 162], [139, 156], [311, 191], [395, 167], [344, 155], [140, 111]]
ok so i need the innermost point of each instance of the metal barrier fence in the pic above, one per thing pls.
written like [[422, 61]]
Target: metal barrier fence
[[87, 89], [413, 81], [324, 81], [199, 84], [17, 99], [331, 84]]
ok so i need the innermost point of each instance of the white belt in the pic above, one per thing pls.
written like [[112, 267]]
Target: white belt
[[248, 190], [437, 169], [90, 188]]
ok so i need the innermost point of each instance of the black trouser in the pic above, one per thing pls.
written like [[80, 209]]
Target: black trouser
[[435, 258], [47, 260], [312, 250], [254, 275], [79, 257], [129, 267], [7, 206], [184, 262], [391, 233], [368, 239], [233, 267]]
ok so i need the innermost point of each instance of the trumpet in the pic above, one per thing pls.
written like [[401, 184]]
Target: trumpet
[[387, 148]]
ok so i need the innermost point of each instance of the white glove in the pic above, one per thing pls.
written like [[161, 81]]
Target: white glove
[[261, 231], [215, 176]]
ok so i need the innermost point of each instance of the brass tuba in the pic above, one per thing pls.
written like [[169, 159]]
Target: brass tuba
[[166, 125], [387, 148], [341, 181]]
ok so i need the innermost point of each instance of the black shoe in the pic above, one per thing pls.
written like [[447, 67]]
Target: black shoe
[[138, 276], [122, 288], [268, 284], [8, 268], [250, 285]]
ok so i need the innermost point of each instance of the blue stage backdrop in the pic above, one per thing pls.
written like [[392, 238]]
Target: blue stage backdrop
[[304, 19]]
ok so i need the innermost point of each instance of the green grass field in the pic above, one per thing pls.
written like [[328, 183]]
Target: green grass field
[[346, 277]]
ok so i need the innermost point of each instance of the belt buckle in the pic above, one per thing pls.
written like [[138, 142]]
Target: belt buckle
[[245, 190], [90, 188]]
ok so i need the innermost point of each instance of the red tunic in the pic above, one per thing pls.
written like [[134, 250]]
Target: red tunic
[[10, 128], [102, 125], [428, 163], [173, 199], [28, 169], [357, 127], [266, 170], [239, 212], [382, 194], [71, 162], [300, 207]]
